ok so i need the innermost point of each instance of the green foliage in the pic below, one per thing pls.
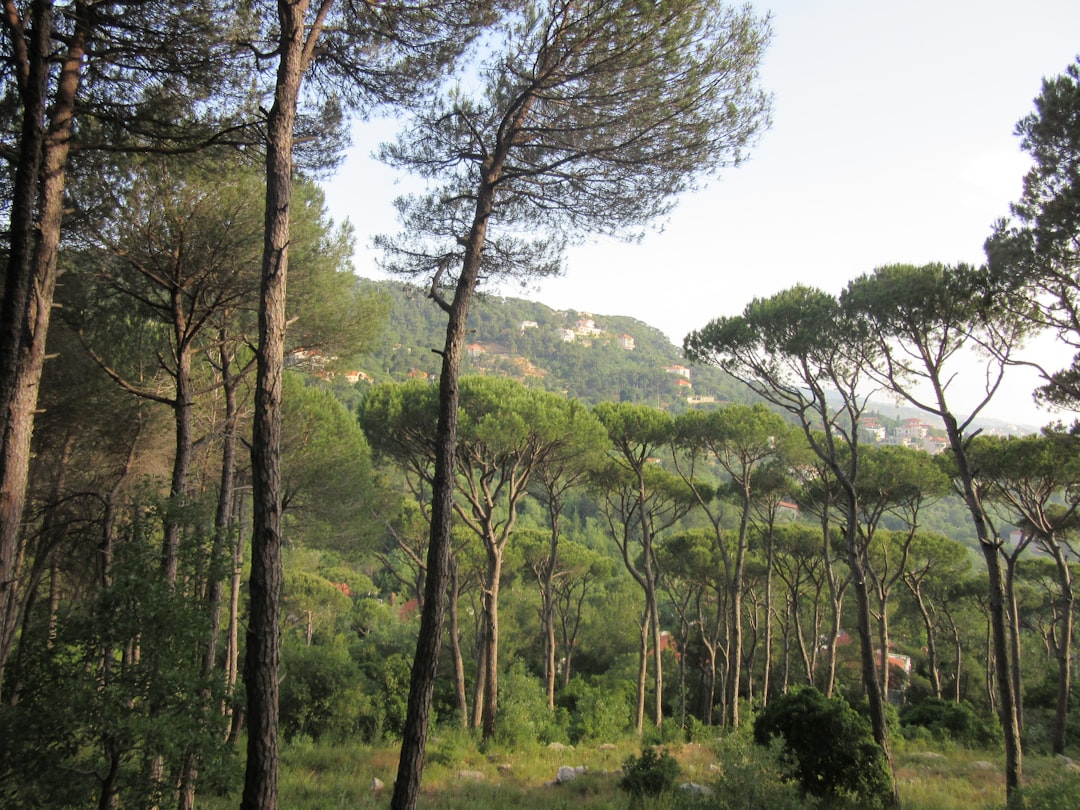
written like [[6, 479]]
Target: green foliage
[[119, 680], [1056, 790], [832, 745], [950, 720], [651, 774], [599, 712], [524, 719], [590, 370], [322, 693], [755, 776]]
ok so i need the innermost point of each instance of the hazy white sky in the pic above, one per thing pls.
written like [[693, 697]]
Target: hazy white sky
[[892, 141]]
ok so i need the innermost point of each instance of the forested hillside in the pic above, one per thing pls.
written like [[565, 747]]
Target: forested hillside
[[239, 515], [592, 357]]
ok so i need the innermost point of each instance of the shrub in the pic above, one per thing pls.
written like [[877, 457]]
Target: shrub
[[833, 747], [523, 716], [651, 774], [598, 713], [950, 720], [756, 776]]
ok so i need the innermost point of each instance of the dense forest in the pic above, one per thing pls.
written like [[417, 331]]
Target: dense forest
[[346, 512]]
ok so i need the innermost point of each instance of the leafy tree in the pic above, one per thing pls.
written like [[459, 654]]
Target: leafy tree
[[799, 351], [801, 568], [935, 567], [377, 54], [1028, 475], [893, 481], [1035, 254], [925, 320], [139, 71], [566, 467], [836, 754], [585, 118], [740, 439], [639, 499]]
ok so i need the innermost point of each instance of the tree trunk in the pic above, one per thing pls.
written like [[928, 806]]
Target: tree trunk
[[547, 608], [1063, 652], [931, 637], [491, 661], [31, 282], [643, 673], [768, 642], [455, 646], [735, 657], [426, 661], [866, 649], [264, 633]]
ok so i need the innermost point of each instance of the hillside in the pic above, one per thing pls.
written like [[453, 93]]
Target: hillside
[[590, 356]]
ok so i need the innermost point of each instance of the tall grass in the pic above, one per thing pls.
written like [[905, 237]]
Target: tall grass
[[460, 774]]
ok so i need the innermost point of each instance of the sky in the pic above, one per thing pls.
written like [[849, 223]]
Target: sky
[[892, 141]]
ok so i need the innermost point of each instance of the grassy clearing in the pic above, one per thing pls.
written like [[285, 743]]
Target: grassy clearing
[[461, 776]]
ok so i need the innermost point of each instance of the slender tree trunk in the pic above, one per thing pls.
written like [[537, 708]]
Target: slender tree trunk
[[768, 641], [31, 278], [643, 673], [295, 43], [866, 648], [426, 660], [455, 645], [736, 599], [547, 595], [931, 638], [491, 661], [989, 545], [1063, 652]]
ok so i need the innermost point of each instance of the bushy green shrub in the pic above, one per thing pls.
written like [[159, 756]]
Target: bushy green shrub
[[523, 716], [948, 720], [651, 774], [598, 713], [832, 745], [754, 776], [322, 693]]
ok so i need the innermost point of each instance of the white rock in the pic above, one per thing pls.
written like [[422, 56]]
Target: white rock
[[568, 773]]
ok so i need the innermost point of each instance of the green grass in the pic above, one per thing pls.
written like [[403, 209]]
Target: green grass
[[460, 776]]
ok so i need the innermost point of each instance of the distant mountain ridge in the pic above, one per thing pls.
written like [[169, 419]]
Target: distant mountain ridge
[[591, 356]]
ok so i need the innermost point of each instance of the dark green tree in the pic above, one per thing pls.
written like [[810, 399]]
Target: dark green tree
[[1034, 255], [836, 754]]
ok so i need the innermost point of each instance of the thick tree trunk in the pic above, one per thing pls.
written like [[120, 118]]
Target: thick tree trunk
[[31, 281], [264, 633]]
